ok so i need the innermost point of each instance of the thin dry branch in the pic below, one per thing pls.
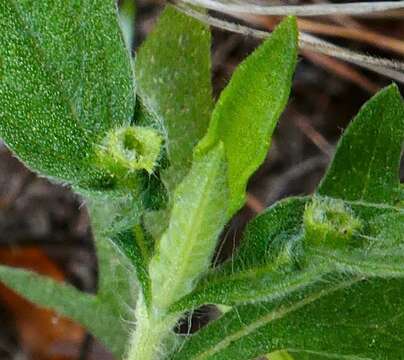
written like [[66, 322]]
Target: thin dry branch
[[390, 68], [363, 35], [358, 8]]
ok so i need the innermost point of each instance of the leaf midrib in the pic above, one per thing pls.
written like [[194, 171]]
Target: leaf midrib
[[194, 223], [372, 159], [272, 316], [294, 283], [364, 266], [327, 354], [381, 206]]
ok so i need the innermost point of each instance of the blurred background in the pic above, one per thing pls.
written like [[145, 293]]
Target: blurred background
[[44, 227]]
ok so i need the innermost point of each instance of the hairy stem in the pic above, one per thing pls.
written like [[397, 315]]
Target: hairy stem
[[152, 337]]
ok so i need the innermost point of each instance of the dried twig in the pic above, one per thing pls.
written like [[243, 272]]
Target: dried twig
[[390, 68], [247, 7], [363, 35]]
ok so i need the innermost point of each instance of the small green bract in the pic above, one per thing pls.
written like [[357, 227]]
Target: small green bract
[[162, 168]]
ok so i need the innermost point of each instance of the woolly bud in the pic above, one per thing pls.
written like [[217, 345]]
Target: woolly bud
[[130, 149], [330, 222]]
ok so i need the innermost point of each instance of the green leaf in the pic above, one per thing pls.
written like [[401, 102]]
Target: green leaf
[[252, 285], [353, 319], [106, 315], [273, 260], [352, 309], [378, 249], [248, 109], [66, 81], [116, 276], [366, 163], [265, 264], [197, 217], [365, 175], [173, 79], [119, 218]]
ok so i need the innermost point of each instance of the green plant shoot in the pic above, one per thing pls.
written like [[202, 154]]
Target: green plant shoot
[[163, 168]]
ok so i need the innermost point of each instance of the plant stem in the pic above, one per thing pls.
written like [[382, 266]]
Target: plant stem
[[149, 339]]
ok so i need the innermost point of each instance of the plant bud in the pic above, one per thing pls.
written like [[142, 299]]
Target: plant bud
[[130, 149], [330, 222]]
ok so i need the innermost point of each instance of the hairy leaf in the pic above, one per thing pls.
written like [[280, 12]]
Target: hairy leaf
[[65, 80], [287, 263], [106, 315], [352, 309], [197, 217], [118, 218], [271, 235], [265, 265], [352, 319], [365, 175], [138, 247], [253, 285], [378, 249], [365, 166], [117, 285], [173, 79], [249, 108]]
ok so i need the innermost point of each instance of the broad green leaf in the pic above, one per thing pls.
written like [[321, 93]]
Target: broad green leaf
[[377, 262], [349, 319], [174, 82], [65, 81], [366, 163], [248, 109], [107, 315], [198, 215], [365, 175]]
